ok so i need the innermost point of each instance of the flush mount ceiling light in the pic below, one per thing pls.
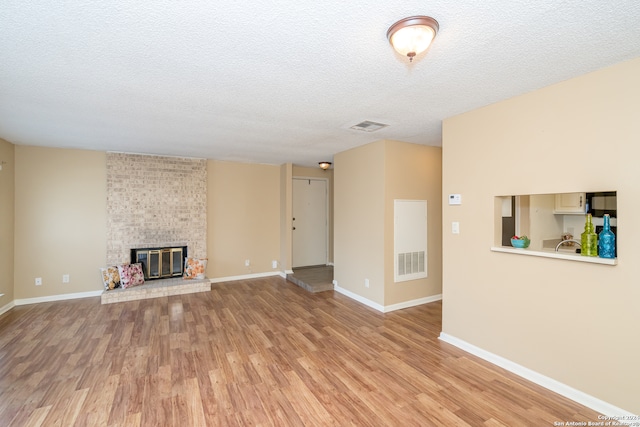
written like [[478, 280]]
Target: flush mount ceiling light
[[324, 165], [413, 35]]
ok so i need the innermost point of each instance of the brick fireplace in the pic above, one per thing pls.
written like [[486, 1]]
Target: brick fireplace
[[155, 202]]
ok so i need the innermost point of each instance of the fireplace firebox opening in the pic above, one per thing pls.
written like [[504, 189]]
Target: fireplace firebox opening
[[160, 263]]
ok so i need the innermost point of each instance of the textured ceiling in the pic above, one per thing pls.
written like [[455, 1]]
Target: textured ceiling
[[280, 81]]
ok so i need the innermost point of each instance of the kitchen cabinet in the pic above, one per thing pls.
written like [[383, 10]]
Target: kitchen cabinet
[[570, 203]]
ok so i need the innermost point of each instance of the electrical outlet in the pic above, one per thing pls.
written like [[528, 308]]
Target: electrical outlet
[[366, 283], [274, 264], [65, 278], [38, 281], [247, 263]]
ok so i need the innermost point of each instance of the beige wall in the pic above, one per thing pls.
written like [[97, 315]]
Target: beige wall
[[367, 180], [299, 171], [6, 221], [574, 322], [359, 210], [60, 220], [286, 218], [414, 172], [243, 217]]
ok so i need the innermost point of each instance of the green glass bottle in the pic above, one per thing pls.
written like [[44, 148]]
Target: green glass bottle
[[589, 239]]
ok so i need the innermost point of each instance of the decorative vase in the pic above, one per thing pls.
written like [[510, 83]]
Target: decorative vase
[[606, 240], [589, 239]]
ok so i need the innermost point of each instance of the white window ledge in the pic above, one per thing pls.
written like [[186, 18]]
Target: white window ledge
[[556, 255]]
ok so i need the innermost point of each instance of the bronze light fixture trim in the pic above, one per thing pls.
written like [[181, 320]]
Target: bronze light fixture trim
[[413, 35]]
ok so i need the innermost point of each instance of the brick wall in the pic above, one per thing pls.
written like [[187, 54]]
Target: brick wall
[[155, 201]]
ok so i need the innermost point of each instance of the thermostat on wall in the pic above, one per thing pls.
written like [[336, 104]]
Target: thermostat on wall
[[455, 199]]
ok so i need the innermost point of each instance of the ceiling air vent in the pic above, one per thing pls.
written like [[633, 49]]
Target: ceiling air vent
[[368, 126]]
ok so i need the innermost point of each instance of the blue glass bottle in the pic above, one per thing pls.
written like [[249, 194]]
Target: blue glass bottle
[[606, 240]]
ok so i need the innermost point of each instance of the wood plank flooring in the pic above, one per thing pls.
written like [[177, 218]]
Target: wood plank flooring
[[259, 352]]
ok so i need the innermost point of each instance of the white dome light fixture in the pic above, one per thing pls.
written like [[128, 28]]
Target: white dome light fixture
[[324, 165], [413, 35]]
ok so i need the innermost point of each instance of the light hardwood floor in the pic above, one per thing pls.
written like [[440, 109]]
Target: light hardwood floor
[[257, 352]]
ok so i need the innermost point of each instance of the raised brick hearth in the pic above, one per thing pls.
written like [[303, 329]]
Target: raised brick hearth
[[156, 289]]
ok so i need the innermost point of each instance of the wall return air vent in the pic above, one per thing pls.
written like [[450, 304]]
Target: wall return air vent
[[411, 263], [368, 126], [410, 239]]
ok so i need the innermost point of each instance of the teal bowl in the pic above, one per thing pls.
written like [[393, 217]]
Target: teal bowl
[[521, 244]]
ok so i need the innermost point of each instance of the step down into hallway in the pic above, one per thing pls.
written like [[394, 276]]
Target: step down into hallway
[[313, 279]]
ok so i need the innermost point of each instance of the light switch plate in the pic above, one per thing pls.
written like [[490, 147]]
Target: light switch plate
[[455, 227]]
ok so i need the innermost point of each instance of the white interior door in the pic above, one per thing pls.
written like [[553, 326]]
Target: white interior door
[[310, 225]]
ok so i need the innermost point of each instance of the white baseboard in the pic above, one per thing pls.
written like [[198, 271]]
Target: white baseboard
[[358, 298], [542, 380], [412, 303], [7, 307], [284, 273], [387, 308], [61, 297], [245, 276]]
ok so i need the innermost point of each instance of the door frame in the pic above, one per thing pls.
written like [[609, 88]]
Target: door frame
[[326, 207]]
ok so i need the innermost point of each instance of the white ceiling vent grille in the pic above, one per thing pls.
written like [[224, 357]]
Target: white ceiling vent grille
[[368, 126]]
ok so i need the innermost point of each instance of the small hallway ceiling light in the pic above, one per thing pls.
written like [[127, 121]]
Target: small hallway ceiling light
[[324, 165], [413, 35]]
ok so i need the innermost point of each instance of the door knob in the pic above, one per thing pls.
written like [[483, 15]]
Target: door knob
[[294, 228]]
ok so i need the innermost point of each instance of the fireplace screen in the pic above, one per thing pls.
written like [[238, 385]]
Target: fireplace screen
[[159, 263]]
